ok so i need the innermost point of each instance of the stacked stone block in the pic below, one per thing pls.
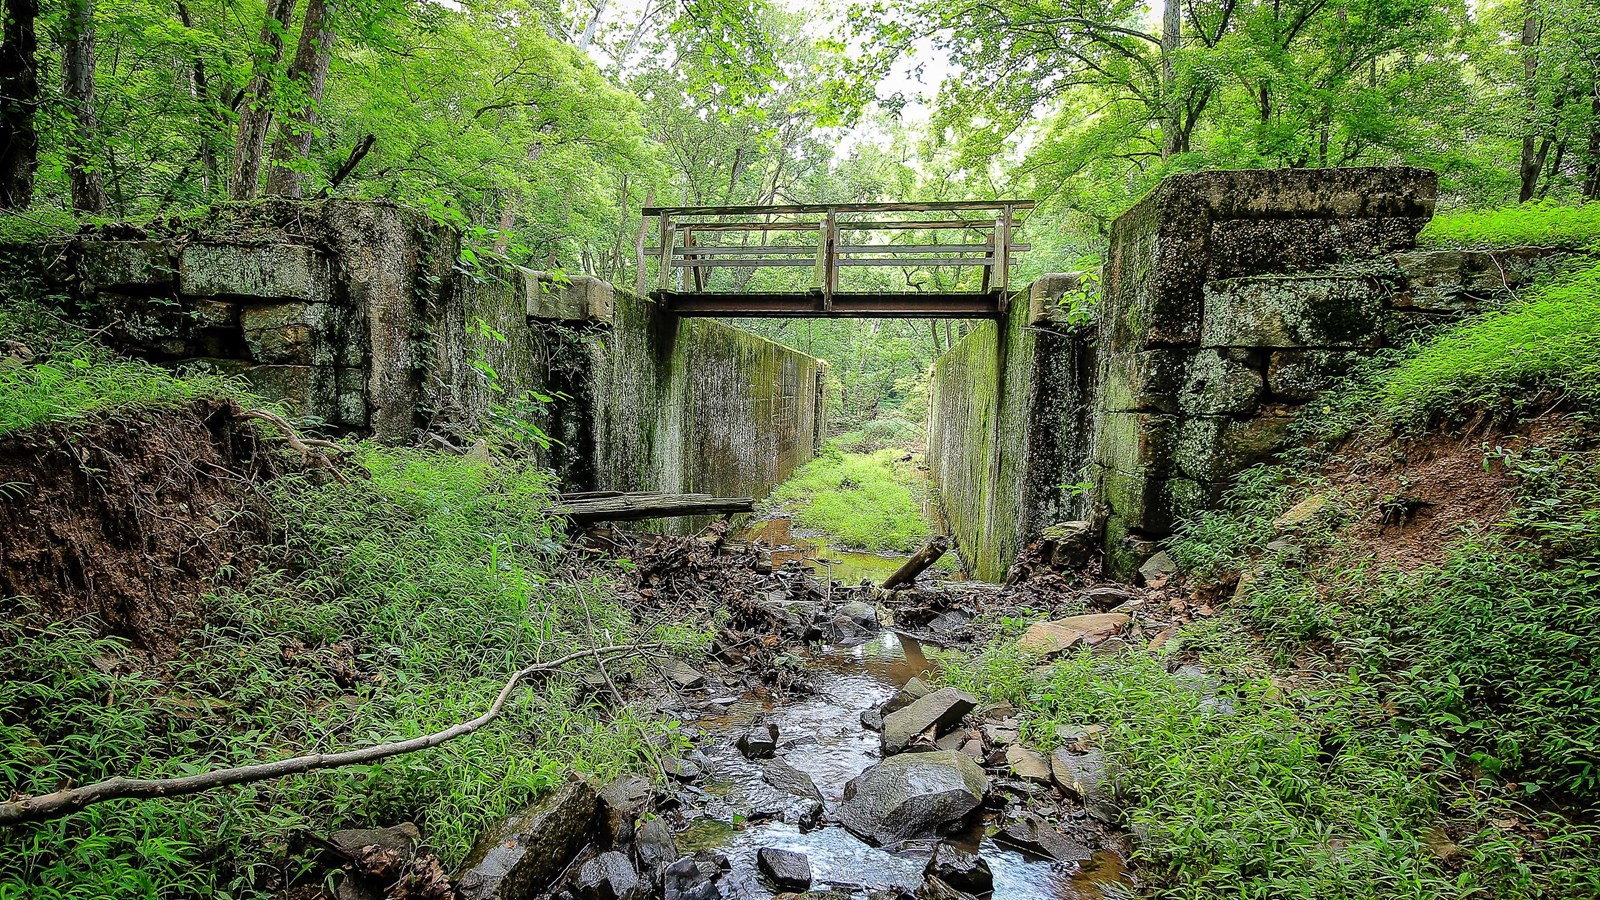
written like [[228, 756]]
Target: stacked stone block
[[1231, 298]]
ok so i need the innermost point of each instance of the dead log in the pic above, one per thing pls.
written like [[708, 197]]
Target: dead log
[[906, 575], [586, 510]]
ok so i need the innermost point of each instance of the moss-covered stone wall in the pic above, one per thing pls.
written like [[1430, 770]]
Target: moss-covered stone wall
[[1007, 435], [362, 317]]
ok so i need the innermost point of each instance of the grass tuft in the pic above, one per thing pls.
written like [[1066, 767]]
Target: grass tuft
[[1528, 224], [71, 384], [866, 501]]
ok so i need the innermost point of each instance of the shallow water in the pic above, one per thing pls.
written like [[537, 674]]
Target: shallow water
[[843, 566], [822, 736]]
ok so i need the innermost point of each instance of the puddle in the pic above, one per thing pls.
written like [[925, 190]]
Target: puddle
[[844, 566], [822, 736]]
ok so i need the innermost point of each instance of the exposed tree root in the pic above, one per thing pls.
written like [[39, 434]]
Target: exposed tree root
[[60, 803], [311, 450]]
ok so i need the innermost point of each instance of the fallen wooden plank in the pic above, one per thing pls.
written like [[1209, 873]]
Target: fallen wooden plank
[[635, 507], [906, 575]]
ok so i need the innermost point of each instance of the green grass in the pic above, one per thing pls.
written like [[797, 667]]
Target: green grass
[[1550, 340], [1529, 224], [73, 383], [865, 501], [411, 598]]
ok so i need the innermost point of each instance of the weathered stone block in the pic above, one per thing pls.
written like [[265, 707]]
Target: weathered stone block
[[299, 333], [1459, 281], [1137, 442], [265, 271], [1147, 380], [1300, 375], [352, 400], [1293, 312], [311, 390], [124, 265], [1045, 297], [572, 298], [1215, 448], [1244, 247], [1218, 384]]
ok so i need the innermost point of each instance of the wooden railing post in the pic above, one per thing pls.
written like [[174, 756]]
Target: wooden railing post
[[664, 223], [831, 256]]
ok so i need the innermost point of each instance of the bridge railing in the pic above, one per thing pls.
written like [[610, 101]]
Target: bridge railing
[[694, 241]]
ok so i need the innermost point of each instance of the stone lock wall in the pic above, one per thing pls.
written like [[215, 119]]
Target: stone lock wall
[[359, 315], [1008, 427]]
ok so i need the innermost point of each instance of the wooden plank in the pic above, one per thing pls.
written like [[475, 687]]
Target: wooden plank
[[831, 259], [925, 248], [846, 305], [636, 507], [799, 208], [919, 261], [665, 255], [753, 250], [741, 263]]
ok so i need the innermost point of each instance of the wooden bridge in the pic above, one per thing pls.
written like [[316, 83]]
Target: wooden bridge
[[962, 249]]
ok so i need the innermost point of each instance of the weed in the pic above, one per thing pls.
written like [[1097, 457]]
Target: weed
[[1527, 224], [78, 381], [866, 501]]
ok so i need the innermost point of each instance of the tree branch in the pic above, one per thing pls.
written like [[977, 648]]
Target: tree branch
[[64, 802]]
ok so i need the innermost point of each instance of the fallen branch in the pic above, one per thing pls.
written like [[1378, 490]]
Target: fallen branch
[[906, 575], [357, 154], [309, 448], [60, 803]]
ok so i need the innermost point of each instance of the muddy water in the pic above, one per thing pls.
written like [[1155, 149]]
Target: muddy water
[[843, 566], [822, 736]]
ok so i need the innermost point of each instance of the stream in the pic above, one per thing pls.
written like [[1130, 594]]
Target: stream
[[822, 736]]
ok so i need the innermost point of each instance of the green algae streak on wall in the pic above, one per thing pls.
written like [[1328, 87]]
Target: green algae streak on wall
[[1007, 429]]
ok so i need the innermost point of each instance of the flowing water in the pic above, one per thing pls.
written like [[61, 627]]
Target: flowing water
[[822, 736], [814, 551]]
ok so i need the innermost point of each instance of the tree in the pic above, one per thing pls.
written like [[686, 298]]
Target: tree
[[19, 99], [77, 88], [307, 78], [255, 118]]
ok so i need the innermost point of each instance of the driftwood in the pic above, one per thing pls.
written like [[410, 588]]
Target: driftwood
[[610, 506], [60, 803], [906, 575]]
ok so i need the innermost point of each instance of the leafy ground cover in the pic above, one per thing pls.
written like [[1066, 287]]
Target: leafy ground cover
[[401, 604], [866, 501], [1528, 224]]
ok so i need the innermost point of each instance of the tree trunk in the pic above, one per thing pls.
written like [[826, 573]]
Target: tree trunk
[[587, 37], [1528, 171], [77, 87], [1591, 171], [256, 116], [1171, 43], [508, 212], [308, 73], [19, 98], [200, 90]]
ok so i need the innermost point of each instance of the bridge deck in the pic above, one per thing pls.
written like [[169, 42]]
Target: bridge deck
[[709, 271]]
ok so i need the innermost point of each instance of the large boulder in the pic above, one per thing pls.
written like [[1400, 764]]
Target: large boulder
[[913, 795], [940, 711], [518, 859]]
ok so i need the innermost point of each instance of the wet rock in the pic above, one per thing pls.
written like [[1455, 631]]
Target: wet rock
[[872, 719], [1000, 735], [787, 870], [790, 780], [686, 880], [683, 769], [1027, 765], [798, 616], [973, 748], [625, 799], [519, 858], [760, 742], [966, 872], [1072, 544], [712, 863], [1031, 833], [1159, 568], [914, 690], [608, 876], [913, 795], [653, 846], [994, 712], [1052, 638], [938, 889], [864, 615], [939, 711], [951, 741], [1083, 775]]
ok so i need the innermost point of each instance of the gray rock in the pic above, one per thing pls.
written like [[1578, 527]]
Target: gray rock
[[788, 871], [684, 880], [519, 858], [608, 876], [914, 690], [683, 675], [1027, 765], [940, 711], [1105, 597], [790, 780], [684, 769], [624, 800], [872, 719], [1083, 775], [760, 742], [654, 847], [966, 872], [1160, 565], [864, 615], [912, 795], [401, 839], [1031, 833]]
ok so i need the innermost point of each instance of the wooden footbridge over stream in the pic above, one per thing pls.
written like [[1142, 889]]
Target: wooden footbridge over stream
[[954, 259]]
